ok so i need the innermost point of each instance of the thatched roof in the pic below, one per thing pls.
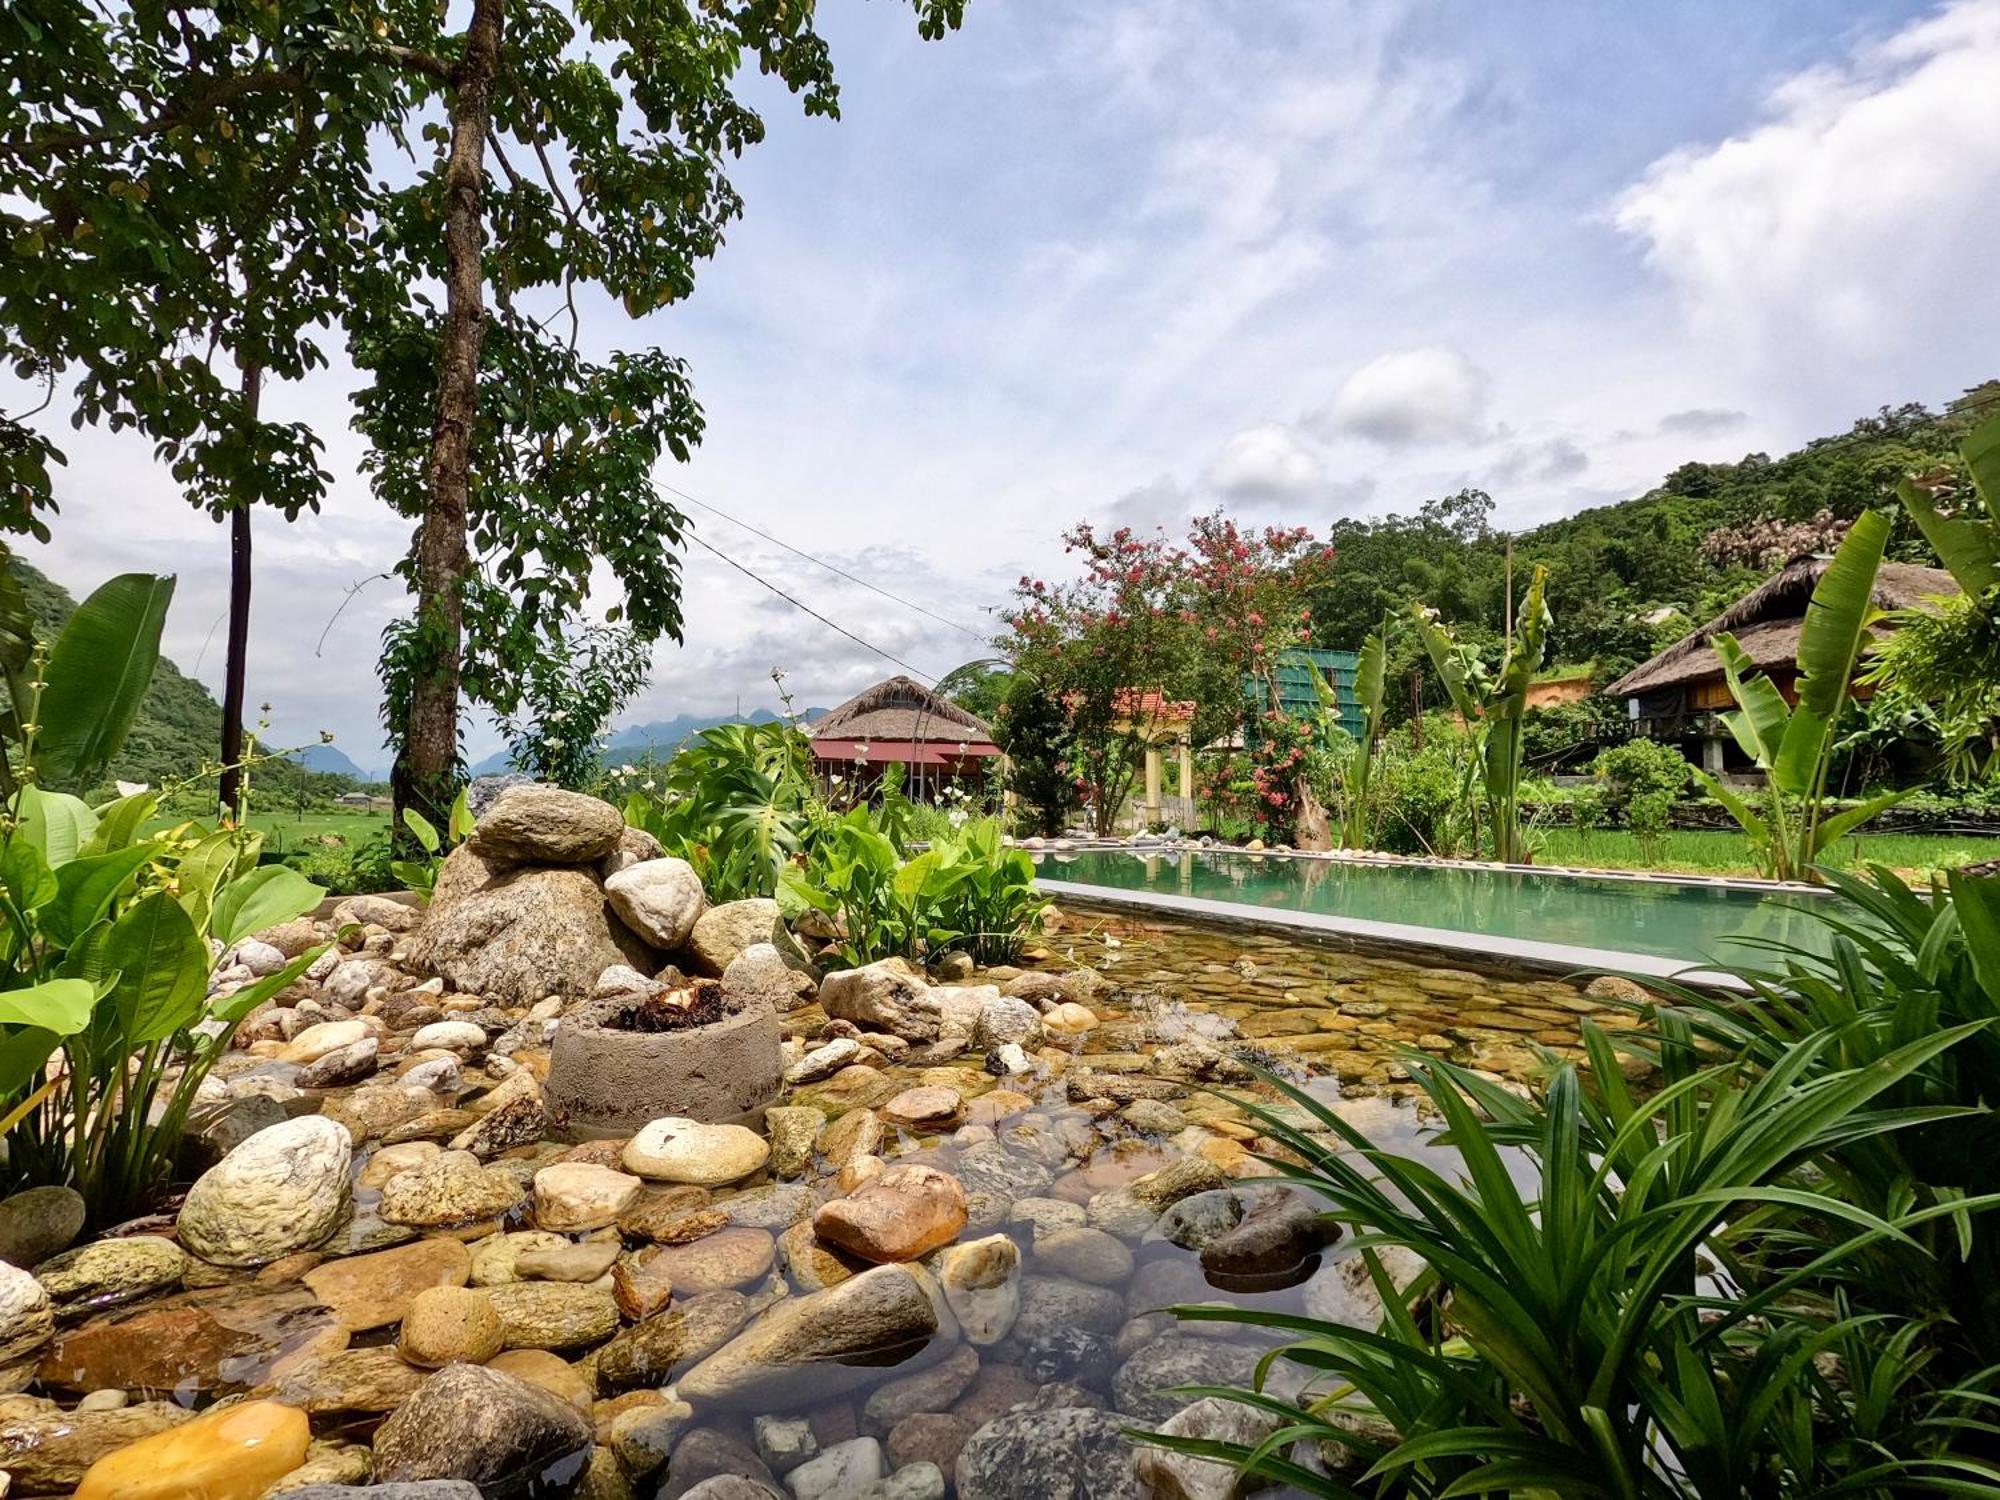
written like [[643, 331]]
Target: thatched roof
[[900, 709], [1768, 621]]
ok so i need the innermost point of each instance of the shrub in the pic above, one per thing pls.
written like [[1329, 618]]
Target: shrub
[[1639, 768]]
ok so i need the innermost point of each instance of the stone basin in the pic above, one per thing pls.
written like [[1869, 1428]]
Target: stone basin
[[618, 1063]]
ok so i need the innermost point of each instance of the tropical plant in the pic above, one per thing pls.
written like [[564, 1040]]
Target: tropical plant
[[1793, 744], [1494, 705], [1639, 782], [1569, 1339], [569, 690], [737, 803], [978, 891], [1357, 773], [1424, 795], [421, 875], [105, 934]]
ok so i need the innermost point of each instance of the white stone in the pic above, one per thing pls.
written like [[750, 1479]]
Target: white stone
[[260, 958], [680, 1150], [285, 1189], [982, 1287], [315, 1042], [784, 1442], [824, 1061], [660, 899], [452, 1036], [27, 1321], [846, 1471], [919, 1481], [574, 1195]]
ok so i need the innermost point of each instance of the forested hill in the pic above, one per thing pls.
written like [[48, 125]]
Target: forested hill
[[179, 724], [1626, 579]]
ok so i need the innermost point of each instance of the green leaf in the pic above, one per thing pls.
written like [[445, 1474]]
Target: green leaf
[[1977, 901], [421, 828], [60, 1006], [265, 897], [54, 822], [1837, 618], [1734, 805], [100, 669], [1840, 825], [234, 1007], [162, 966], [26, 876], [118, 823], [1759, 725], [1968, 547], [461, 822], [86, 888], [202, 869], [22, 1053]]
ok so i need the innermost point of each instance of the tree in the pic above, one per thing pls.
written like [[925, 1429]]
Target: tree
[[177, 190], [1032, 727], [523, 462]]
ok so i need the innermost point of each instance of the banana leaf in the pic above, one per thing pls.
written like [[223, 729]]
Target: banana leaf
[[98, 672]]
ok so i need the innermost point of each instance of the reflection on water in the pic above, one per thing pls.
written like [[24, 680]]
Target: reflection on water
[[1689, 921]]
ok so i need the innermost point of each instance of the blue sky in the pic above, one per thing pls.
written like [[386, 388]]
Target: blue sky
[[1135, 258]]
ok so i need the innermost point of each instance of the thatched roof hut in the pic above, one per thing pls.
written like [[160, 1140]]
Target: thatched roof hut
[[902, 722], [1767, 622]]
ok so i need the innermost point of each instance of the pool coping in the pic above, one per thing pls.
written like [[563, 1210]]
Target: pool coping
[[1396, 939]]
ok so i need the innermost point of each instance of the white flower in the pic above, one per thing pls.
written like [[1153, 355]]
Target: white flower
[[131, 788], [557, 715], [628, 769], [649, 783], [554, 744]]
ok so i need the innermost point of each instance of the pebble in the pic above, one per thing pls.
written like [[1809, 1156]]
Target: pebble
[[554, 1314], [450, 1189], [27, 1321], [39, 1223], [231, 1453], [793, 1130], [449, 1036], [448, 1323], [571, 1197], [480, 1424], [847, 1471], [284, 1189], [729, 1258], [981, 1281], [903, 1214], [681, 1150], [373, 1291], [110, 1272]]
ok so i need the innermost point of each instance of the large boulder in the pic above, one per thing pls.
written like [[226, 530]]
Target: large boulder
[[884, 996], [284, 1189], [1069, 1453], [521, 934], [546, 825]]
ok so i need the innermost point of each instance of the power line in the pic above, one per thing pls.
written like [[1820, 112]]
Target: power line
[[979, 636], [703, 542]]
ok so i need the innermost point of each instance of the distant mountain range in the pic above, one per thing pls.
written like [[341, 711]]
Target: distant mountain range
[[660, 738], [334, 760]]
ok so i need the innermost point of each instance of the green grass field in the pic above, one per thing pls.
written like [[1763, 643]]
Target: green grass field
[[1719, 853], [285, 831]]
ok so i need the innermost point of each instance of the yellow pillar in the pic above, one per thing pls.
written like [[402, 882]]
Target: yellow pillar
[[1152, 784], [1187, 770]]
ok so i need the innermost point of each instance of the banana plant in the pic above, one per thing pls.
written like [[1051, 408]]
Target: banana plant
[[1793, 743], [1358, 774], [1967, 543], [1494, 705]]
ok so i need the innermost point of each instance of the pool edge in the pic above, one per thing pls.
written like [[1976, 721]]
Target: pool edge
[[1396, 939]]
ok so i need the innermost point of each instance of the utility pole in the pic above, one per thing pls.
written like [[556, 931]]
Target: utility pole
[[1507, 619]]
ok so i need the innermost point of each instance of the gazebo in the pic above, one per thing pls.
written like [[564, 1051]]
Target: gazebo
[[903, 723]]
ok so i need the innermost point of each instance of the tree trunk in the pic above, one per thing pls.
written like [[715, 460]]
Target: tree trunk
[[427, 758], [235, 670]]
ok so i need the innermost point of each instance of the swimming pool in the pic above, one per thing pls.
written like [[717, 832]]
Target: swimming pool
[[1540, 916]]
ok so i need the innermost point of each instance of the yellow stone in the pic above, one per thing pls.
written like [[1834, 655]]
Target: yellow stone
[[234, 1453]]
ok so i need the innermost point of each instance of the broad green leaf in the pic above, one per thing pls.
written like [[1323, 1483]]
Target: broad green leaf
[[460, 825], [1977, 900], [1837, 617], [1759, 723], [263, 898], [118, 823], [100, 668], [86, 888], [1841, 824], [62, 1006], [55, 822], [1968, 546], [162, 966], [421, 829], [22, 1053], [29, 882], [1735, 806], [202, 869], [1806, 740]]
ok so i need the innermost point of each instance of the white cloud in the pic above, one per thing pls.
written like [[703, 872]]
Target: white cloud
[[1266, 463], [1852, 229], [1702, 421], [1429, 395]]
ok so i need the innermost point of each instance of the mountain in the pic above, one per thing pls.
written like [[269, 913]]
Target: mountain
[[331, 760], [658, 739]]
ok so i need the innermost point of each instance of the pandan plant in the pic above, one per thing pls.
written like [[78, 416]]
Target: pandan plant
[[1358, 773]]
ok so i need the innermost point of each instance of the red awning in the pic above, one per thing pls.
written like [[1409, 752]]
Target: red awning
[[939, 752]]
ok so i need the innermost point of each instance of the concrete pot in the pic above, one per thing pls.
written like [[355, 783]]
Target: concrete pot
[[604, 1084]]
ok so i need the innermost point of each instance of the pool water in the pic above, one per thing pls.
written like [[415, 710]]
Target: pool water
[[1686, 921]]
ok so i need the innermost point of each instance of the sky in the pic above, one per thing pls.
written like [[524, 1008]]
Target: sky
[[1135, 259]]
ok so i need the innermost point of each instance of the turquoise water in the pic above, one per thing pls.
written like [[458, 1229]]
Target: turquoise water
[[1684, 921]]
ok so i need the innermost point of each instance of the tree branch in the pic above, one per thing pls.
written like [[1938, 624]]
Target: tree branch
[[184, 112]]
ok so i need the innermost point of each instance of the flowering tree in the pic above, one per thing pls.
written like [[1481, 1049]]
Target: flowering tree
[[1152, 624]]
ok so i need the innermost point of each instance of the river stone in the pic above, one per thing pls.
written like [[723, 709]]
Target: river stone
[[322, 1039], [933, 1389], [660, 899], [361, 1382], [682, 1150], [1277, 1240], [1085, 1254], [227, 1453], [220, 1338], [554, 1314], [39, 1223], [761, 976], [111, 1272], [732, 1258], [845, 1471], [906, 1212], [516, 935], [728, 1487], [793, 1129], [723, 932], [450, 1189], [929, 1107], [27, 1321], [1005, 1020], [547, 825], [650, 1353], [1181, 1476], [469, 1422], [856, 1133], [345, 1065], [823, 1061], [373, 1291], [887, 995], [284, 1189], [573, 1196], [48, 1454], [416, 1489], [1344, 1291], [1069, 1453], [446, 1324], [584, 1261], [817, 1346], [376, 911], [1143, 1384], [982, 1286]]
